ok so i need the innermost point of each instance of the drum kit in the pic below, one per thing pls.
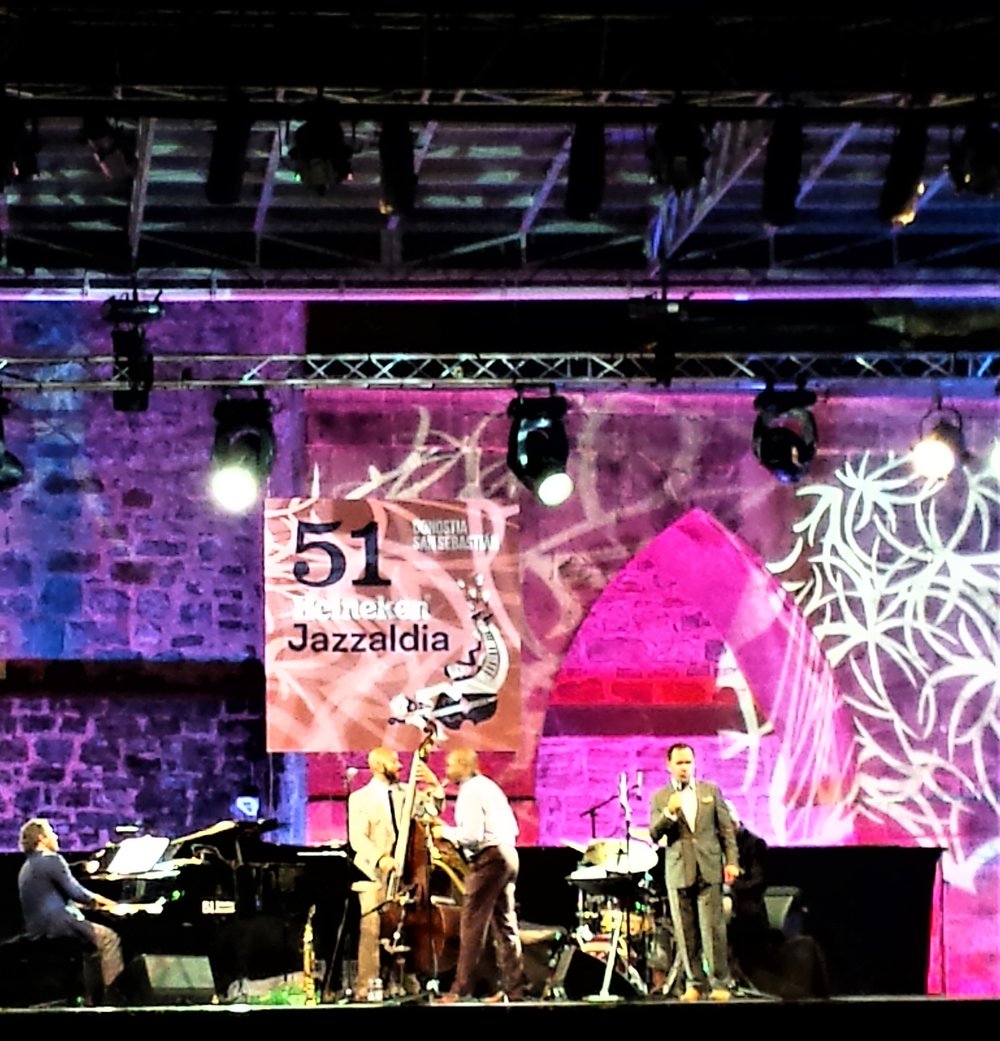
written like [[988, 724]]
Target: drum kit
[[619, 909]]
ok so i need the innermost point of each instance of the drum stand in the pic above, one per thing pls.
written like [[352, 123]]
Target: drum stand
[[605, 992]]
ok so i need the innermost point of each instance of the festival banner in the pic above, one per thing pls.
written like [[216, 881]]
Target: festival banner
[[380, 614]]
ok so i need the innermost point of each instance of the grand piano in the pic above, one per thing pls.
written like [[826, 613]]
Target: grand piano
[[225, 893]]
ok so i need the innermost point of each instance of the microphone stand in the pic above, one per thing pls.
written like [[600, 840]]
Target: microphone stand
[[328, 991], [592, 813]]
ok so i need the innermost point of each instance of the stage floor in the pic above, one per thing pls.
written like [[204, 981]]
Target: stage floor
[[925, 1012]]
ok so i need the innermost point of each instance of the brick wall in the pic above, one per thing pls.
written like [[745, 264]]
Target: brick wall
[[130, 612]]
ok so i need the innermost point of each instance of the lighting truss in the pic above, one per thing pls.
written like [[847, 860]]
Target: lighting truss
[[634, 370]]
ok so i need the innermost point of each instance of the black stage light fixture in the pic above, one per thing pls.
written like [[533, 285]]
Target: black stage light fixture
[[585, 176], [11, 468], [537, 447], [320, 155], [903, 184], [784, 433], [974, 160], [678, 152], [242, 453], [132, 357], [113, 147], [133, 367], [397, 171], [227, 164], [783, 168]]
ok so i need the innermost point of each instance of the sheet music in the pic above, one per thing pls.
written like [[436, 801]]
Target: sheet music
[[136, 855]]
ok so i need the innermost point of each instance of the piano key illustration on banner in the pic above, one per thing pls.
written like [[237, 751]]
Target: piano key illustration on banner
[[381, 614]]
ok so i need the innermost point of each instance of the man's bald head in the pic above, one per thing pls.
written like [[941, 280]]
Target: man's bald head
[[384, 762], [462, 764]]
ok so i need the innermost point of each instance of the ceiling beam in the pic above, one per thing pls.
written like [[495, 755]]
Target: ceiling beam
[[267, 188], [140, 186], [512, 109]]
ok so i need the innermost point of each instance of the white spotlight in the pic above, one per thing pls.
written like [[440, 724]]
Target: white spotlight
[[242, 453], [941, 448], [234, 488]]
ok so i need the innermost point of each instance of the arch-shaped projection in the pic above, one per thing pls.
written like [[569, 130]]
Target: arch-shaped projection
[[811, 788]]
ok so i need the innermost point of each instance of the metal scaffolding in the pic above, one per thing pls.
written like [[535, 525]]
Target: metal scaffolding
[[660, 369]]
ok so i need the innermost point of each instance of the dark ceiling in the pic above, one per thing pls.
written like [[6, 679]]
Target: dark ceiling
[[491, 100]]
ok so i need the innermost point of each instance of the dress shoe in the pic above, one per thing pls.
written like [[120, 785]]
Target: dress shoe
[[448, 998], [720, 994], [691, 994], [500, 998]]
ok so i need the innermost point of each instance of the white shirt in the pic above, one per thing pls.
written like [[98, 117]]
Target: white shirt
[[483, 816], [689, 802]]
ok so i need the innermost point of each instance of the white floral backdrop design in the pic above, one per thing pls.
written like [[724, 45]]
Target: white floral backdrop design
[[903, 591]]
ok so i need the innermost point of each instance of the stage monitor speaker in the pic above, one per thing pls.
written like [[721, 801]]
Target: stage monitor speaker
[[578, 975], [170, 979]]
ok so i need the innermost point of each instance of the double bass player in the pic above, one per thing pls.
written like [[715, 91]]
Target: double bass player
[[378, 823]]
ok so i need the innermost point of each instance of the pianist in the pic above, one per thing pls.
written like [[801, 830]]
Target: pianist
[[51, 899]]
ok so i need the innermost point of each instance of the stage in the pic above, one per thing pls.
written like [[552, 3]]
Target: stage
[[838, 1013]]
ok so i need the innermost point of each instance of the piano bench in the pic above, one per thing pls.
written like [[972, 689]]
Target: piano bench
[[57, 971]]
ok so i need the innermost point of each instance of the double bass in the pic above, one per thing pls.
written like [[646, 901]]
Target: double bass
[[421, 913]]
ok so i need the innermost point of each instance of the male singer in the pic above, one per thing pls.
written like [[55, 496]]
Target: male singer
[[691, 816]]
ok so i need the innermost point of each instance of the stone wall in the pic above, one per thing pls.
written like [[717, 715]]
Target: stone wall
[[131, 613], [111, 552]]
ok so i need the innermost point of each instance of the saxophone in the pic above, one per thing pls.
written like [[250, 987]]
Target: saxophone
[[309, 959]]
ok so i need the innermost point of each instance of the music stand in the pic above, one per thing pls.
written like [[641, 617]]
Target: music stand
[[355, 874]]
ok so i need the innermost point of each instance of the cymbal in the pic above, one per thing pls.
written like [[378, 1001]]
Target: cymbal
[[621, 857], [580, 847]]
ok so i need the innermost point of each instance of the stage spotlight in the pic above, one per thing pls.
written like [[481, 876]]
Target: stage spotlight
[[113, 148], [228, 162], [398, 175], [783, 168], [537, 448], [974, 162], [132, 358], [941, 444], [133, 366], [903, 183], [243, 452], [11, 468], [678, 152], [320, 155], [585, 176], [784, 433]]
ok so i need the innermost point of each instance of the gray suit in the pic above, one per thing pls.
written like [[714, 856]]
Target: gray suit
[[694, 860]]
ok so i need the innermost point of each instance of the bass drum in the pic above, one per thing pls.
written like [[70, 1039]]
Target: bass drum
[[637, 923]]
